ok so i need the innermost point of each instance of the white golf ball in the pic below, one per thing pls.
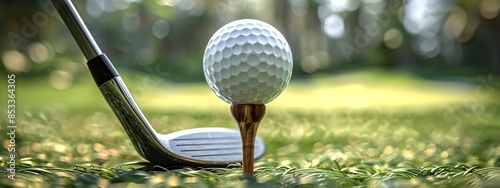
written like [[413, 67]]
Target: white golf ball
[[247, 62]]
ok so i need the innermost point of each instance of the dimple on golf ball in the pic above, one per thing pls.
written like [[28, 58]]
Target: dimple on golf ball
[[247, 62]]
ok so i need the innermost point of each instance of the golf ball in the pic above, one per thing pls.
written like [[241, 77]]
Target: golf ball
[[247, 62]]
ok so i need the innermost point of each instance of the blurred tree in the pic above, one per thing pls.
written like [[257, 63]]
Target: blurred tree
[[167, 38]]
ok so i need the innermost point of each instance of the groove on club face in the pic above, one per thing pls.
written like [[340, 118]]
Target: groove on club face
[[209, 144]]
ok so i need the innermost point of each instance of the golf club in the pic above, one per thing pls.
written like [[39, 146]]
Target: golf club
[[200, 147]]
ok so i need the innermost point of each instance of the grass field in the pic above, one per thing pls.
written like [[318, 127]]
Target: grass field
[[358, 130]]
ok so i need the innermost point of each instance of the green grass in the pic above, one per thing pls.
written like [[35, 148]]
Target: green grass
[[454, 144]]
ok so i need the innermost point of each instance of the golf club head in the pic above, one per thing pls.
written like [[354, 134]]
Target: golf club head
[[209, 144], [201, 147]]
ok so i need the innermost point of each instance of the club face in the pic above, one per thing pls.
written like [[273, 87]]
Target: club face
[[212, 145]]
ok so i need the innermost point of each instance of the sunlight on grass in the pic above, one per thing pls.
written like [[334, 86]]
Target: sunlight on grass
[[449, 146], [351, 91]]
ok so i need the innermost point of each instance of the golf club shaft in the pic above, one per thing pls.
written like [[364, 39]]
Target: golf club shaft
[[77, 28]]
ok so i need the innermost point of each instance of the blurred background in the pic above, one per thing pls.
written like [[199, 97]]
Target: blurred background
[[159, 42], [383, 87]]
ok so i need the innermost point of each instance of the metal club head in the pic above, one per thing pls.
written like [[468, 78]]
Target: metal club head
[[200, 147], [208, 144]]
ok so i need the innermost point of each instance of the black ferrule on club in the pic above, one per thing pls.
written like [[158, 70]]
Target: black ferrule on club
[[101, 69]]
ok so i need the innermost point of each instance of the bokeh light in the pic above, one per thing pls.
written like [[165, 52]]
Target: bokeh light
[[339, 5], [95, 7], [171, 3], [334, 26], [192, 7], [428, 47], [63, 77], [470, 29], [310, 64], [393, 38], [328, 7], [489, 8], [60, 79], [456, 22], [40, 52], [373, 6], [299, 7], [15, 61], [423, 17], [160, 28]]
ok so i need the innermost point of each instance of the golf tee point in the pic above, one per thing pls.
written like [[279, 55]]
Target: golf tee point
[[248, 117]]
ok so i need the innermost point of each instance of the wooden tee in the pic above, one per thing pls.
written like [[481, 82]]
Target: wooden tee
[[248, 117]]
